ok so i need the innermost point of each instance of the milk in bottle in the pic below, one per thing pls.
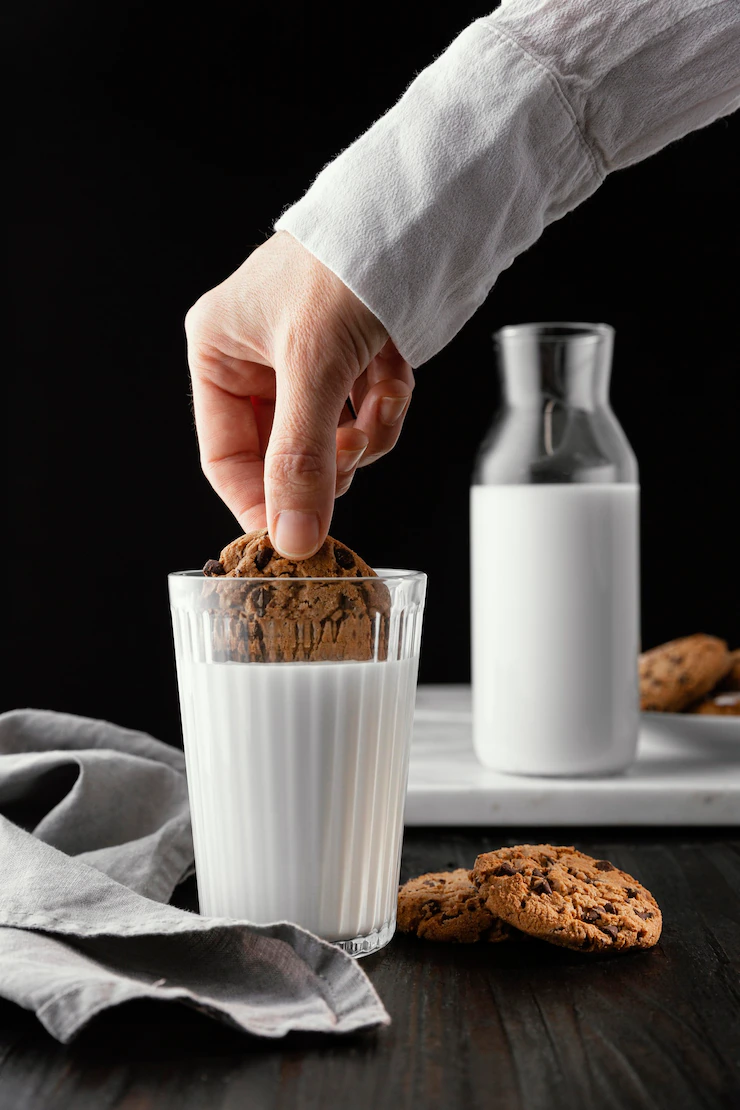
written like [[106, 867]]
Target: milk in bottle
[[555, 562]]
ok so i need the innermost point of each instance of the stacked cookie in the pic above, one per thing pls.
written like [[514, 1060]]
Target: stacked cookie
[[553, 893], [696, 674]]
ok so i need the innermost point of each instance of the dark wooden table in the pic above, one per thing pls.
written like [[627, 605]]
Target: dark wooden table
[[482, 1026]]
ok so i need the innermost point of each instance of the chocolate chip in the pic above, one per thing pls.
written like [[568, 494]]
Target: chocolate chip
[[263, 556], [610, 930], [590, 916], [609, 908], [631, 893], [541, 886], [259, 598], [428, 882], [604, 865], [644, 915], [214, 569], [548, 861], [505, 869], [684, 679], [431, 906], [538, 874], [344, 558]]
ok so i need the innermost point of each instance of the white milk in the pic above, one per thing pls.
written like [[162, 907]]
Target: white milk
[[555, 608], [297, 778]]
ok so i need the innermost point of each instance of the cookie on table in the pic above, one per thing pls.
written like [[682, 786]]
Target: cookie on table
[[444, 905], [282, 620], [674, 675], [731, 681], [567, 898], [726, 704]]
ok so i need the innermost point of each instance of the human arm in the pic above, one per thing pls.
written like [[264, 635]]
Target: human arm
[[405, 233], [514, 125]]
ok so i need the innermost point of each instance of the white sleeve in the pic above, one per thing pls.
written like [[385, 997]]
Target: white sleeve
[[514, 125]]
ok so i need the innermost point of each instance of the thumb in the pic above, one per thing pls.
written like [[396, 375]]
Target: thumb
[[300, 461]]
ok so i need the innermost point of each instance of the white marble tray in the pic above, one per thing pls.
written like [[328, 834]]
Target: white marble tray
[[687, 773]]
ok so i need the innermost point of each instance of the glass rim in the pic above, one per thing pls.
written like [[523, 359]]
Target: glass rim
[[554, 330], [384, 574]]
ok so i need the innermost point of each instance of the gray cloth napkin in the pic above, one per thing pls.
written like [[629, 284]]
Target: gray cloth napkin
[[94, 837]]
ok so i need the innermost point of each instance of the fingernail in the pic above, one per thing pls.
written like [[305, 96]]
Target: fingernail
[[391, 409], [348, 460], [296, 533]]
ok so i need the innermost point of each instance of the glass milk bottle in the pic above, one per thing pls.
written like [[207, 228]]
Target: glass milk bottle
[[555, 562]]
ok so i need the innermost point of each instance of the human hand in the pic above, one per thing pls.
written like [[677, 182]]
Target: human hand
[[274, 352]]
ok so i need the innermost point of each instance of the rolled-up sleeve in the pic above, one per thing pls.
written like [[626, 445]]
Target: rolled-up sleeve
[[516, 124]]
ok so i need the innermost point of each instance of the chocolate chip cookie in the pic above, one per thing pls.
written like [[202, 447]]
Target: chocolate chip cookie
[[567, 898], [731, 680], [444, 905], [253, 556], [674, 675], [271, 618], [726, 704]]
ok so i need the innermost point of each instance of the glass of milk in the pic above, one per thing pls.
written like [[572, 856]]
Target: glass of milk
[[297, 770], [555, 562]]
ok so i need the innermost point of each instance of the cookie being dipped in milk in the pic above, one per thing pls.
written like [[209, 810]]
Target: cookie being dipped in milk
[[289, 617]]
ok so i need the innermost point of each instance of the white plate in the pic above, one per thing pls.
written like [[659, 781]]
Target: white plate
[[698, 718], [691, 727]]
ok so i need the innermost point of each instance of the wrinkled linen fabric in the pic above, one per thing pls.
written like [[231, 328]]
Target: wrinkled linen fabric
[[94, 838], [514, 125]]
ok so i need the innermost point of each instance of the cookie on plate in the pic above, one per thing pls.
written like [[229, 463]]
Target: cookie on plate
[[726, 704], [567, 898], [444, 905], [731, 681], [282, 620], [674, 675]]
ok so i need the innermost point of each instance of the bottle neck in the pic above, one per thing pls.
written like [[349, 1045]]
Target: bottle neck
[[544, 366]]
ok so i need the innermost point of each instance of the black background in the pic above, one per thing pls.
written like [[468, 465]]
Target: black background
[[151, 145]]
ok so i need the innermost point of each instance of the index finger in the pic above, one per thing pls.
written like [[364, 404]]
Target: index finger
[[230, 451]]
